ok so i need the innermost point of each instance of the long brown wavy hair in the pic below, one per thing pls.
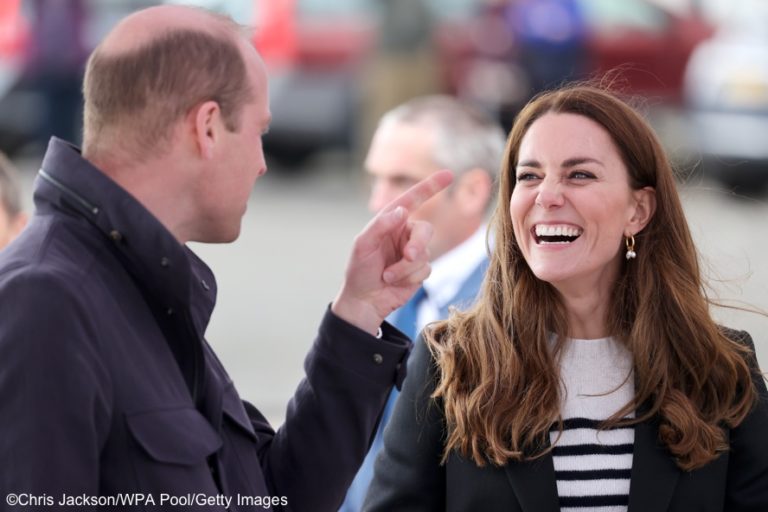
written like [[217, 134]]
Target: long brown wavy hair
[[498, 374]]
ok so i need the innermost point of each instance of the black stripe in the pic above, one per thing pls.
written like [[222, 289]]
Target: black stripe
[[595, 474], [592, 449], [573, 423], [594, 501]]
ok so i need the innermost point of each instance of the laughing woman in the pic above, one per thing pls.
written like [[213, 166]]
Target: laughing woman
[[590, 375]]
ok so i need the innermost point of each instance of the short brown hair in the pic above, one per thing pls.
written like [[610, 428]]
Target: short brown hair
[[144, 91]]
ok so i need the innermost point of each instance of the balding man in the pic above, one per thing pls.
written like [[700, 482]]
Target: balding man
[[109, 393], [412, 141]]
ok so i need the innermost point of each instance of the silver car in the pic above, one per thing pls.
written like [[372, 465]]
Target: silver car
[[726, 91]]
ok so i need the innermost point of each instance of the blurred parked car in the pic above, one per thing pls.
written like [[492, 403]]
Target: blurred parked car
[[726, 90], [316, 50], [650, 42]]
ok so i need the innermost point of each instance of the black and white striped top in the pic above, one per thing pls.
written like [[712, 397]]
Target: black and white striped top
[[593, 467]]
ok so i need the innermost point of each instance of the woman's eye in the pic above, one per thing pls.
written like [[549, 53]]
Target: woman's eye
[[581, 175], [526, 176]]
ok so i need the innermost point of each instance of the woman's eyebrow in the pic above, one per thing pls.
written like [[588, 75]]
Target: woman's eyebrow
[[571, 162], [529, 163]]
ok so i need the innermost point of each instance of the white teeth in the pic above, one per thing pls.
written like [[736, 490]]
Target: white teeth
[[557, 230]]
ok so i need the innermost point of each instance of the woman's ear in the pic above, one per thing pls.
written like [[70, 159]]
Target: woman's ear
[[645, 207]]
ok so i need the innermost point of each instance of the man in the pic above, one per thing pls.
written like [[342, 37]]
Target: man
[[109, 393], [12, 217], [411, 142]]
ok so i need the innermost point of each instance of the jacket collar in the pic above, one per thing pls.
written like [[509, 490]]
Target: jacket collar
[[654, 472], [534, 484], [171, 275], [653, 480]]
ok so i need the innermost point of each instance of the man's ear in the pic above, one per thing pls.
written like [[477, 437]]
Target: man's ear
[[473, 191], [645, 207], [208, 124]]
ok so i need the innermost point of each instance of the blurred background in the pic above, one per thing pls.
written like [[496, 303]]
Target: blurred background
[[698, 69]]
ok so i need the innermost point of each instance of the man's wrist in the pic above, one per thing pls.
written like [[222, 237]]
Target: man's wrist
[[359, 314]]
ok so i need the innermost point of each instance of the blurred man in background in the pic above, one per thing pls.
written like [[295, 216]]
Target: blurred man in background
[[411, 142], [12, 218]]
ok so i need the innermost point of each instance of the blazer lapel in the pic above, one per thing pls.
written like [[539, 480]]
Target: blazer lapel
[[468, 291], [534, 484], [654, 473]]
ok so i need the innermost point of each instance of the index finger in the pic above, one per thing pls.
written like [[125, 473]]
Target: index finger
[[418, 194]]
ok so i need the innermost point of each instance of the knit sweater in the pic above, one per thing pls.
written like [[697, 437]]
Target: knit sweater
[[593, 467]]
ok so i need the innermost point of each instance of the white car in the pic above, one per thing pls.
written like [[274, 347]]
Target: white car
[[726, 91]]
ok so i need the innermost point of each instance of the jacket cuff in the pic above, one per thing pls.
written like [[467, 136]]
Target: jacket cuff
[[381, 360]]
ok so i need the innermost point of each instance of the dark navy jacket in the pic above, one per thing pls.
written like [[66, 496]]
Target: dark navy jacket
[[108, 386]]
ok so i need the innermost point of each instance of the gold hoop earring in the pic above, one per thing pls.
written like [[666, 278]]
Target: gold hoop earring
[[629, 241]]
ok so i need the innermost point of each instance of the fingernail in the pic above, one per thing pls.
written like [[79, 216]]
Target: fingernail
[[399, 212], [387, 276], [411, 251]]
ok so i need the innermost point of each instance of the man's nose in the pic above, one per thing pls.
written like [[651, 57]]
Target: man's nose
[[381, 195]]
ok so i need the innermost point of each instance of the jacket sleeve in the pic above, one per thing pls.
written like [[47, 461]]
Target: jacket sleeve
[[747, 484], [54, 391], [332, 417], [408, 475]]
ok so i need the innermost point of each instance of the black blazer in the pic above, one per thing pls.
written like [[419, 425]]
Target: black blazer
[[409, 477]]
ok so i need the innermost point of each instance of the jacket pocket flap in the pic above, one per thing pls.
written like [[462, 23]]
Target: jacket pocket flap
[[176, 436], [234, 410]]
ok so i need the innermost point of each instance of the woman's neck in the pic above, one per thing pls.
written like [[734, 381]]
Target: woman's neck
[[587, 313]]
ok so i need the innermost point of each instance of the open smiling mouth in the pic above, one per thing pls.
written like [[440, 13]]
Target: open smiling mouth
[[555, 234]]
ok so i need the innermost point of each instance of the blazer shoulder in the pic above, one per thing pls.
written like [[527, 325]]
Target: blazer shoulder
[[736, 335]]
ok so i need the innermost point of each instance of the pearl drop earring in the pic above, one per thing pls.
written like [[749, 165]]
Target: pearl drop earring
[[629, 241]]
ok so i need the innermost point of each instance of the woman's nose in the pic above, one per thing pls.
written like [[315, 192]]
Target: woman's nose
[[550, 194]]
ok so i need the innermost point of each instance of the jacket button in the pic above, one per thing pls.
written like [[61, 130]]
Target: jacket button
[[115, 235], [164, 262], [169, 311], [378, 358]]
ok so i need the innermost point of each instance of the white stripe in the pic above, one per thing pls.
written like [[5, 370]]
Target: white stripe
[[592, 487], [592, 436], [582, 462]]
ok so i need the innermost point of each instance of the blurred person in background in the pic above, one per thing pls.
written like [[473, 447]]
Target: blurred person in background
[[54, 64], [12, 217], [590, 374], [107, 385], [551, 40], [403, 65], [412, 141]]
